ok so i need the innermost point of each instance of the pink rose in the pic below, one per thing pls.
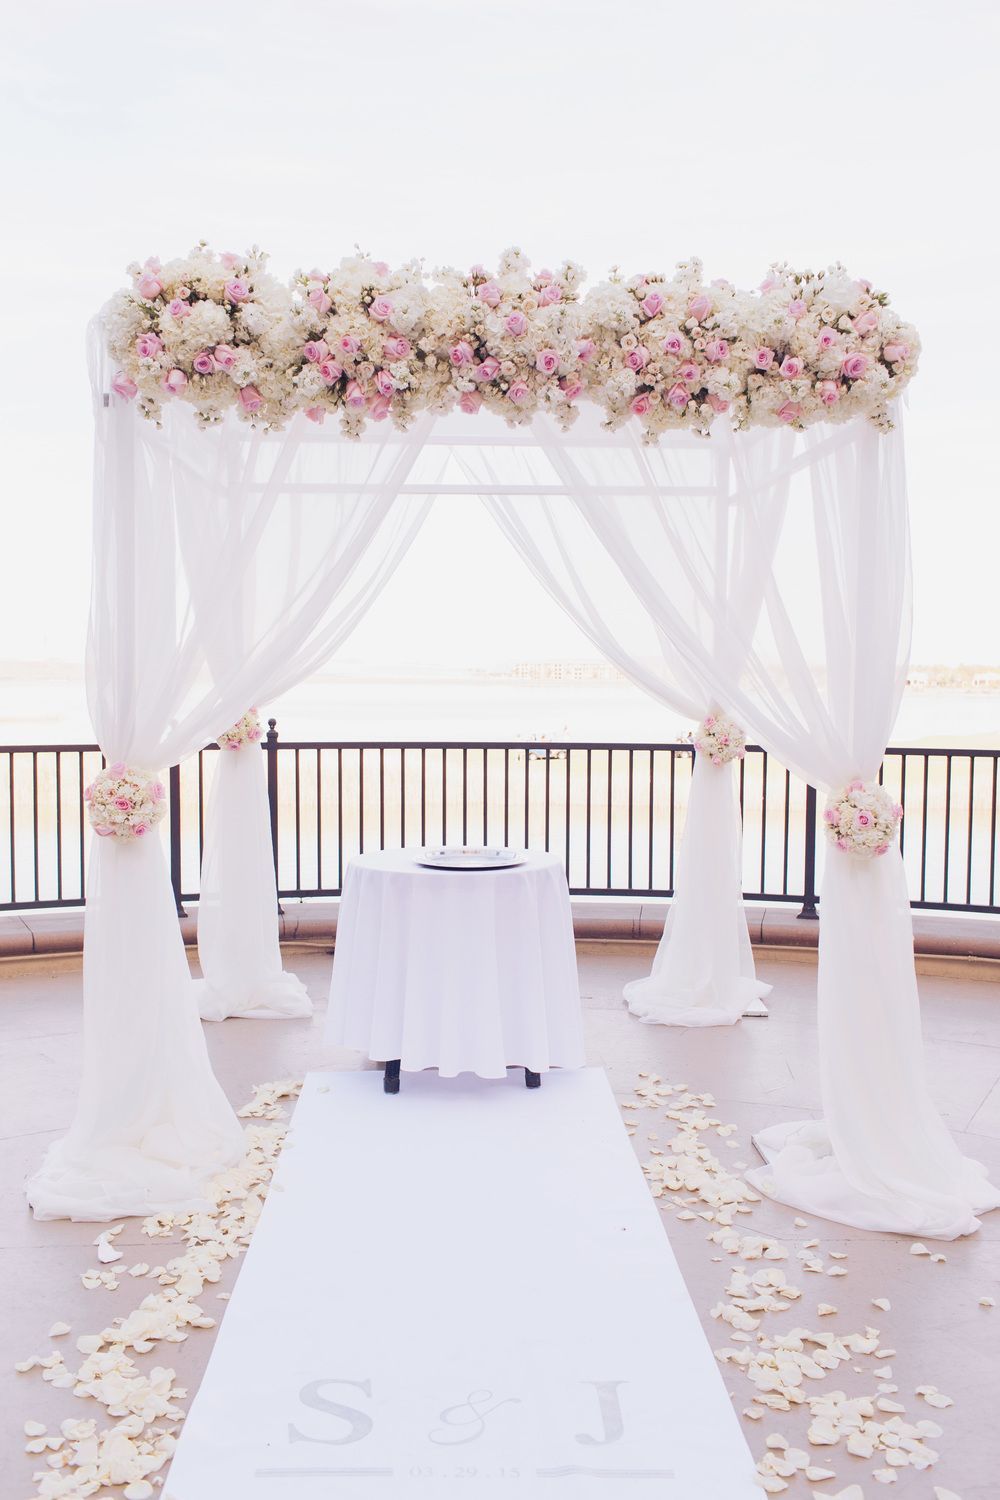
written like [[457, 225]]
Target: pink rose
[[123, 386], [763, 358], [673, 343], [489, 369], [354, 396], [866, 322], [769, 283], [637, 358], [224, 357], [378, 408], [544, 277], [124, 804], [571, 386], [103, 832], [319, 300], [855, 365], [789, 412], [881, 848], [550, 294], [250, 398], [641, 405], [856, 786], [381, 310], [316, 414], [897, 811], [651, 304], [678, 395], [117, 768], [519, 392], [381, 268], [138, 829], [716, 350], [178, 309], [470, 402], [689, 372], [203, 362], [699, 307], [330, 371], [174, 381], [384, 384], [718, 403], [461, 354], [843, 843], [236, 290], [896, 353], [350, 344], [828, 392], [547, 361], [148, 346], [149, 286], [88, 793], [831, 816], [791, 367], [864, 819], [316, 351], [489, 293], [516, 324], [397, 347], [585, 349], [157, 791], [229, 260], [797, 308], [827, 339]]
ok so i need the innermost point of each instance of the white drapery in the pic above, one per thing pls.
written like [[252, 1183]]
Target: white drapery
[[229, 564], [703, 973], [820, 520]]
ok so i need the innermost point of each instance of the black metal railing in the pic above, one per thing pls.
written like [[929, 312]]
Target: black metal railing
[[613, 811]]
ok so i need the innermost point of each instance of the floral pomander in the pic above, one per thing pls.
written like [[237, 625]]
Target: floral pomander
[[721, 739], [125, 803], [862, 819], [246, 731]]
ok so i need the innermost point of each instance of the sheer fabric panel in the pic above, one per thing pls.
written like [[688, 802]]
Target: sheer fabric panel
[[228, 565]]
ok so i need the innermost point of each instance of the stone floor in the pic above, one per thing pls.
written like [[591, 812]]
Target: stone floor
[[760, 1072]]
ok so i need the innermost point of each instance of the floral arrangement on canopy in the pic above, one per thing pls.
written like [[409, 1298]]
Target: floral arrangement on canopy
[[219, 332], [124, 802], [246, 731], [862, 819], [721, 739]]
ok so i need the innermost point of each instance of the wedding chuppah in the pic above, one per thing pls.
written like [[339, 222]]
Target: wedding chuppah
[[709, 480]]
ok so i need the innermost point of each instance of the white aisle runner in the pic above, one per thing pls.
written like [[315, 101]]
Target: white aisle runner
[[465, 1291]]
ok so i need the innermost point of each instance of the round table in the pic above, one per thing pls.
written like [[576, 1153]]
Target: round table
[[460, 970]]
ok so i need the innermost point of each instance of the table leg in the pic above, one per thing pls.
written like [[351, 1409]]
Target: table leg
[[390, 1082], [532, 1080]]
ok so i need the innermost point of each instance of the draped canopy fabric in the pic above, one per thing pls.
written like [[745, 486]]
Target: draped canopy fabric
[[228, 565], [765, 572]]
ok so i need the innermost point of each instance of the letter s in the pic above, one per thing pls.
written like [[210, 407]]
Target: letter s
[[359, 1423]]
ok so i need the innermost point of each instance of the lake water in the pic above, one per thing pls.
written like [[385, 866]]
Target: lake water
[[52, 710]]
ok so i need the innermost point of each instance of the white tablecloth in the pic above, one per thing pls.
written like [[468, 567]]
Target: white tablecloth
[[459, 970]]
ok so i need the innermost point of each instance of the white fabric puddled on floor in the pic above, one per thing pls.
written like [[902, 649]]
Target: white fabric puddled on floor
[[703, 973], [238, 907]]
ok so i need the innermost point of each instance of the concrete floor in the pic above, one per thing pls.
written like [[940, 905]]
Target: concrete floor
[[760, 1072]]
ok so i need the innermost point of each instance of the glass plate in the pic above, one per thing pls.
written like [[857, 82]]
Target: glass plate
[[456, 857]]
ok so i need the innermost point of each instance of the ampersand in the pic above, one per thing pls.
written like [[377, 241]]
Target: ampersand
[[476, 1410]]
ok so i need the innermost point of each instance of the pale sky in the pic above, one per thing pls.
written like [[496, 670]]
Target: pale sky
[[630, 132]]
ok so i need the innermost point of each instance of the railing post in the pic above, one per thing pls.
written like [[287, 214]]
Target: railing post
[[809, 912], [175, 837], [271, 751]]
